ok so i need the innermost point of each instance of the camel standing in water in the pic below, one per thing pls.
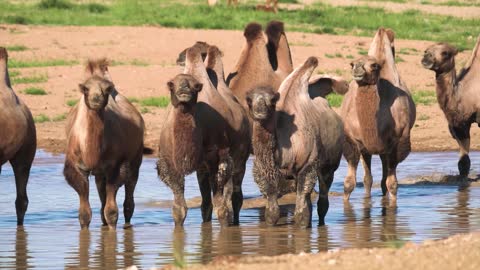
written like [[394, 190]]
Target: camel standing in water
[[294, 134], [104, 138], [18, 139], [458, 96], [377, 119]]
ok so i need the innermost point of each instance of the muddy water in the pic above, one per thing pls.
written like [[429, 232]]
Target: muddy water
[[52, 239]]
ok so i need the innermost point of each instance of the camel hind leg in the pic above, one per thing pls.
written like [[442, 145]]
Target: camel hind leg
[[221, 176], [130, 184], [100, 182], [79, 181], [325, 180], [352, 155], [303, 205], [21, 164], [206, 207], [114, 181], [367, 178], [237, 194], [462, 136]]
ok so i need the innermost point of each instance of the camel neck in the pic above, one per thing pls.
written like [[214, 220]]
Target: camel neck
[[186, 140], [446, 92], [94, 129], [264, 140], [367, 102], [4, 77]]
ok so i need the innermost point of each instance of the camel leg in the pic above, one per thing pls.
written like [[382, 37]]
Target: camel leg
[[130, 184], [325, 180], [462, 136], [111, 208], [352, 155], [223, 174], [391, 182], [100, 181], [367, 178], [267, 181], [303, 205], [22, 172], [383, 158], [79, 181], [237, 194], [176, 183], [206, 192]]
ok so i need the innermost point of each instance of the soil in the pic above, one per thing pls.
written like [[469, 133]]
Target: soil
[[159, 47]]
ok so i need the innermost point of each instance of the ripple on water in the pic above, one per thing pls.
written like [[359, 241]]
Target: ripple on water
[[52, 238]]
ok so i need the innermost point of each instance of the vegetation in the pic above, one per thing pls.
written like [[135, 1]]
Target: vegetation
[[59, 117], [424, 97], [134, 62], [316, 18], [335, 100], [41, 118], [35, 91], [31, 79], [160, 102], [40, 63], [423, 117], [16, 48], [72, 102]]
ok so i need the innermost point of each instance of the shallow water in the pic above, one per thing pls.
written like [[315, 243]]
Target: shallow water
[[52, 237]]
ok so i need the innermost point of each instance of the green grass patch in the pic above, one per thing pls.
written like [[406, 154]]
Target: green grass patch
[[59, 117], [41, 118], [349, 56], [423, 117], [13, 73], [134, 62], [40, 63], [133, 99], [398, 59], [17, 48], [160, 102], [407, 51], [35, 91], [335, 100], [72, 102], [316, 18], [30, 79], [424, 97], [301, 44], [362, 52], [144, 110]]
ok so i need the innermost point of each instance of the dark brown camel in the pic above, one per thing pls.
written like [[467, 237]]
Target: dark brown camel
[[18, 139], [294, 134], [457, 95], [377, 121], [194, 137], [105, 139]]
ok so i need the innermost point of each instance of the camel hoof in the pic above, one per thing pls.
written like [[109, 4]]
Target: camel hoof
[[223, 216], [179, 214], [272, 218], [464, 166], [127, 226], [346, 197], [112, 227], [302, 221]]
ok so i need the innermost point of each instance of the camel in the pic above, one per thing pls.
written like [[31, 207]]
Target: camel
[[104, 138], [18, 139], [294, 134], [457, 95], [379, 119], [195, 137]]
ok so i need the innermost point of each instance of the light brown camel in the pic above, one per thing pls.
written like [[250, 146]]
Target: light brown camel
[[105, 139], [194, 137], [18, 139], [457, 95], [294, 135], [377, 121]]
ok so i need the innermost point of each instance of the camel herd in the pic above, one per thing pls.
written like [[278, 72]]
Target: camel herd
[[264, 107]]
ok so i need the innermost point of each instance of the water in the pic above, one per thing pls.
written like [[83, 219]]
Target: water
[[52, 237]]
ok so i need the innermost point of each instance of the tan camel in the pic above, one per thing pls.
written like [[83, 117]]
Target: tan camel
[[458, 96], [18, 139], [294, 135], [377, 121], [104, 138], [194, 137]]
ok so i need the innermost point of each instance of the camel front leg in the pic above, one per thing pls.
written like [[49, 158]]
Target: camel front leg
[[383, 158], [79, 181], [462, 136], [223, 174], [206, 192], [111, 209], [367, 178], [267, 178], [391, 182], [100, 182], [176, 183], [303, 205], [325, 180], [21, 165], [352, 155], [237, 194], [129, 202]]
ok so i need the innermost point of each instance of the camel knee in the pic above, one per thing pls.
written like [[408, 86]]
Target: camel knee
[[464, 165]]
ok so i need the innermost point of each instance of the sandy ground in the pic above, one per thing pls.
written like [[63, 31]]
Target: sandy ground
[[159, 48], [456, 252]]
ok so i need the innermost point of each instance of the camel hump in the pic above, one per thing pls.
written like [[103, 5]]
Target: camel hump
[[97, 65], [311, 62], [214, 55], [275, 30], [193, 54], [390, 34], [3, 53], [252, 31]]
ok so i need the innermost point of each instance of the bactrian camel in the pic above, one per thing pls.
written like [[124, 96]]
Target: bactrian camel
[[378, 118], [105, 139], [457, 95], [295, 133], [18, 140]]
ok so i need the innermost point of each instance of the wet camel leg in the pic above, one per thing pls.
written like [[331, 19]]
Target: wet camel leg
[[383, 158], [206, 192], [325, 180], [462, 136], [303, 205], [129, 202], [237, 194], [223, 174], [21, 165], [367, 178], [352, 156], [391, 182], [79, 181], [111, 208], [100, 181]]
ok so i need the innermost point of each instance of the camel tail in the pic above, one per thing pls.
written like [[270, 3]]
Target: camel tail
[[147, 151]]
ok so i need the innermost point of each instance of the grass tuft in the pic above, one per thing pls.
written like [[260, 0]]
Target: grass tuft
[[57, 4], [424, 97], [17, 48], [35, 91], [72, 102], [335, 100], [59, 117], [41, 118], [160, 102], [41, 63], [32, 79]]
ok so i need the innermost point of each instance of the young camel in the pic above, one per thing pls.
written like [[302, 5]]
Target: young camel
[[105, 139], [194, 137], [18, 140], [299, 136], [377, 121], [458, 96]]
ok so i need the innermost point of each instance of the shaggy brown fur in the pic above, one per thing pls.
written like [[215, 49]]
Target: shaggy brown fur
[[297, 136], [458, 96], [379, 113], [212, 115], [18, 141], [104, 138]]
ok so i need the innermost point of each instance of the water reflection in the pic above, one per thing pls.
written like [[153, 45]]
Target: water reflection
[[21, 249]]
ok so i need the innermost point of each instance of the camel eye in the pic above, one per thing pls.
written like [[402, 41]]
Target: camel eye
[[374, 66], [446, 54]]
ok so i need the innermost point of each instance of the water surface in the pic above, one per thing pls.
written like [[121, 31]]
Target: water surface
[[52, 239]]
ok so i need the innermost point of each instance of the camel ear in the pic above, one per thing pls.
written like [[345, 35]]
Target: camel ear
[[83, 88], [109, 89], [171, 86], [198, 87], [276, 97]]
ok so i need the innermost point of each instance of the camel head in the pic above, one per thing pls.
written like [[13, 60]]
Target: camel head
[[184, 90], [439, 57], [96, 91], [366, 70], [261, 103]]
